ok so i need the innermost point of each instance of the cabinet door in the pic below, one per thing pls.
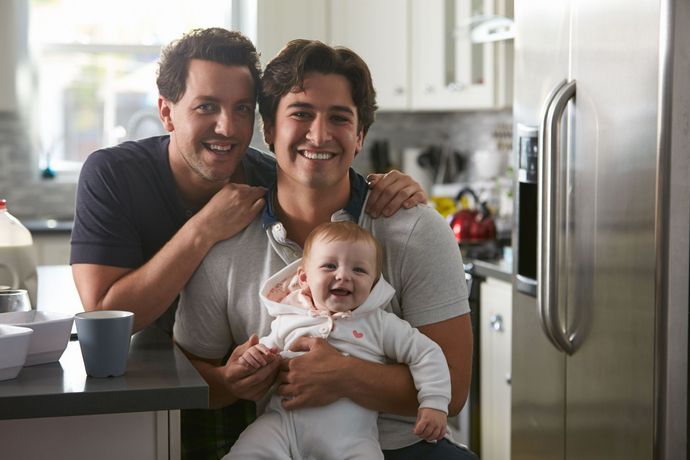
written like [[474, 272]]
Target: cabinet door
[[495, 368], [449, 71], [377, 31], [279, 21]]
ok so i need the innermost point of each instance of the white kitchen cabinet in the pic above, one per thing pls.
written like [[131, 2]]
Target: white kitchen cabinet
[[419, 51], [377, 31], [495, 368], [136, 435], [279, 21], [448, 70]]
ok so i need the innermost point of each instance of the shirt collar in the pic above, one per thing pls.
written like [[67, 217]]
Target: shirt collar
[[358, 193]]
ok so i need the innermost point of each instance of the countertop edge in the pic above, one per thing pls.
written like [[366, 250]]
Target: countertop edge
[[491, 269], [159, 377]]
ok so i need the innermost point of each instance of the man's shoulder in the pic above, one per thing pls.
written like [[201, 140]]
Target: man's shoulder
[[248, 245], [407, 220], [133, 154]]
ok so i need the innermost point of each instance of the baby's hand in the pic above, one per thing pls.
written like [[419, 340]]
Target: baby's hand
[[258, 356], [431, 424]]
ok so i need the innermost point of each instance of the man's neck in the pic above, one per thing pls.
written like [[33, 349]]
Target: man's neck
[[193, 190], [301, 209]]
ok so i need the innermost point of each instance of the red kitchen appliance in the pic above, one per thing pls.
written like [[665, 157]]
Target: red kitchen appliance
[[474, 225]]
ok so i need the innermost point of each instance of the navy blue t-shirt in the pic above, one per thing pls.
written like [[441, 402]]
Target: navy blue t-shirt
[[127, 204]]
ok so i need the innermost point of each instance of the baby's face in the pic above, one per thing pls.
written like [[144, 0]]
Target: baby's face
[[340, 274]]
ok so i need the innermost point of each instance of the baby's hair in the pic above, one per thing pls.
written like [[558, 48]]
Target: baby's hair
[[343, 231]]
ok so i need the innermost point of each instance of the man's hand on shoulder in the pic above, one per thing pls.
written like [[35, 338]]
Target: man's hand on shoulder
[[392, 191], [230, 210]]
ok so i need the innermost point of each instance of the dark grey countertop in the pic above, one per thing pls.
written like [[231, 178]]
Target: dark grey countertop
[[48, 225], [158, 377], [501, 269]]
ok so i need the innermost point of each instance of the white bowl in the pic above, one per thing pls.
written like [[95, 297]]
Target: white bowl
[[51, 333], [14, 345]]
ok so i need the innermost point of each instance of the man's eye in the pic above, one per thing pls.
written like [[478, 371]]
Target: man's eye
[[340, 119], [300, 115], [206, 108], [244, 108]]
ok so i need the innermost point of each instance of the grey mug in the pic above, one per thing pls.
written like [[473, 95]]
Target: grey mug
[[104, 338]]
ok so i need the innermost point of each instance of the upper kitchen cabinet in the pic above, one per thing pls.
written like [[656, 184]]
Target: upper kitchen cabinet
[[377, 31], [457, 62], [423, 54], [279, 21]]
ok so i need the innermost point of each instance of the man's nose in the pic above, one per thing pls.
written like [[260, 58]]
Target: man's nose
[[224, 124], [319, 131]]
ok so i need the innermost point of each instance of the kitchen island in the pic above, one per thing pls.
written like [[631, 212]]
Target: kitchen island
[[55, 411]]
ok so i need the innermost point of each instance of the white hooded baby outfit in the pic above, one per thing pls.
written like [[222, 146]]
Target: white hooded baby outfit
[[343, 429]]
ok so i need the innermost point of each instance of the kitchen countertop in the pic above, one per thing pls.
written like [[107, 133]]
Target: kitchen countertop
[[501, 269], [158, 377]]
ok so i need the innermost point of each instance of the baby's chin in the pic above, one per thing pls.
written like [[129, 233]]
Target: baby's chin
[[338, 308]]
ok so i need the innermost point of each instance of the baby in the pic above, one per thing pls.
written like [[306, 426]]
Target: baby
[[337, 292]]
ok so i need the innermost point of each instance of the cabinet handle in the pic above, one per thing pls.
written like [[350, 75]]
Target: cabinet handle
[[399, 90], [496, 323], [428, 89], [456, 87], [509, 378]]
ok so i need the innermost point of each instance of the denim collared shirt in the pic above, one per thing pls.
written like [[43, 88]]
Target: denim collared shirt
[[290, 251], [353, 208]]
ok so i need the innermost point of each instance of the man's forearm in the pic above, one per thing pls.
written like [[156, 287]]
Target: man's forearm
[[150, 289], [382, 387]]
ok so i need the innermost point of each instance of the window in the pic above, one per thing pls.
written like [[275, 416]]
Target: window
[[95, 69]]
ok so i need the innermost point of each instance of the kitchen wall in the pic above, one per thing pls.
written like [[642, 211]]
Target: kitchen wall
[[465, 132], [31, 196]]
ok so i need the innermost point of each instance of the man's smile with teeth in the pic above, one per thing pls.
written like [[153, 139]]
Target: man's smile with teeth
[[316, 155], [220, 148]]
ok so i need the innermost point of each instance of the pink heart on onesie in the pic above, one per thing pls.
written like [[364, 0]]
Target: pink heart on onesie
[[357, 334]]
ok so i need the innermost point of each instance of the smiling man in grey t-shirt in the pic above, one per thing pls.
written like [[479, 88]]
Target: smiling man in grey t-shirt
[[317, 104]]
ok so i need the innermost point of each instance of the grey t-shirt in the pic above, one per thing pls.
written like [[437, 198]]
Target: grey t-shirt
[[220, 307]]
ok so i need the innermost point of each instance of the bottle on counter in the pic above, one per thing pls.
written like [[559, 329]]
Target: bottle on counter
[[17, 255]]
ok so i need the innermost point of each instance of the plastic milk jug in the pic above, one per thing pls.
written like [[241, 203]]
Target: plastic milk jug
[[17, 255]]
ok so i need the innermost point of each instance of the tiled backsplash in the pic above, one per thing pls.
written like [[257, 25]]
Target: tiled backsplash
[[30, 196], [465, 132], [27, 194]]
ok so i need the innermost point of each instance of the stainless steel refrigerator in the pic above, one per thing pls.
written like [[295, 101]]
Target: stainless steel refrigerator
[[600, 313]]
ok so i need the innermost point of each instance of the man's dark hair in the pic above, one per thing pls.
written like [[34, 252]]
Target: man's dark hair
[[213, 44], [287, 70]]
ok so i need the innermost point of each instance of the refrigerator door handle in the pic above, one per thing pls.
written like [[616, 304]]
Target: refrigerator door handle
[[547, 244]]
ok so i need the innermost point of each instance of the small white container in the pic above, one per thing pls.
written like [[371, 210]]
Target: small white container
[[14, 346], [51, 333]]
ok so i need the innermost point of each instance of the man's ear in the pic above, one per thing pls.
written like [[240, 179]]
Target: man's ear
[[164, 113], [269, 133], [360, 141]]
